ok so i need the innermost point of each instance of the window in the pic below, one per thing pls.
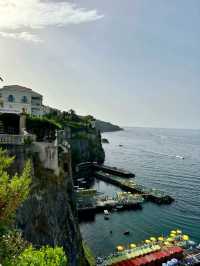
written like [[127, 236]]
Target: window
[[11, 98], [24, 99]]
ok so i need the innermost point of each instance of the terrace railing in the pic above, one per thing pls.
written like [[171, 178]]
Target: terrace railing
[[16, 139]]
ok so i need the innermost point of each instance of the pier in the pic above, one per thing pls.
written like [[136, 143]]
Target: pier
[[113, 171], [91, 167], [153, 195]]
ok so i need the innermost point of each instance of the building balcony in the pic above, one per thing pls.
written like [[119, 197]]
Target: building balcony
[[16, 139]]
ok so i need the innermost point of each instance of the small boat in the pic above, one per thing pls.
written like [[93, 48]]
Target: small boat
[[180, 157], [126, 233], [106, 212]]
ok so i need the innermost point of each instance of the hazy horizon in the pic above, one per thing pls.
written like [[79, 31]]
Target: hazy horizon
[[135, 64]]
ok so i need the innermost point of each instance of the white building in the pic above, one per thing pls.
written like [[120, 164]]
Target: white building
[[17, 99]]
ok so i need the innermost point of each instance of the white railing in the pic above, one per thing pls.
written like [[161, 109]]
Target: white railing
[[16, 139]]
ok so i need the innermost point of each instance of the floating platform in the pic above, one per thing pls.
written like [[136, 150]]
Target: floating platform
[[153, 195]]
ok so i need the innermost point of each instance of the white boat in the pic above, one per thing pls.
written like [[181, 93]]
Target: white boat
[[180, 157], [106, 212]]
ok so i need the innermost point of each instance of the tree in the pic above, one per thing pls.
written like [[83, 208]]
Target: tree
[[13, 190]]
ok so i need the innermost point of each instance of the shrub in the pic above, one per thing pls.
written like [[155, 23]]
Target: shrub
[[11, 246], [45, 256]]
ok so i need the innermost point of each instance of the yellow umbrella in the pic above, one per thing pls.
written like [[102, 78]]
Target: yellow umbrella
[[173, 232], [132, 245], [172, 235], [185, 237], [120, 248], [152, 238], [147, 241], [161, 238], [178, 231], [167, 243], [170, 239]]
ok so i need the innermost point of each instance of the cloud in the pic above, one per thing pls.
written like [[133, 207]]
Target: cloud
[[26, 36], [36, 14]]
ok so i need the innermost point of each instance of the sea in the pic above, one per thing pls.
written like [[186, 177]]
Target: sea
[[156, 158]]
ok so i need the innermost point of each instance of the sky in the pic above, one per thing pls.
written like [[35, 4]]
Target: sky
[[130, 62]]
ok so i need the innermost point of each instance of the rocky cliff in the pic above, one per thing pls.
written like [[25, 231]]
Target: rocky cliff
[[86, 147], [49, 215], [103, 126]]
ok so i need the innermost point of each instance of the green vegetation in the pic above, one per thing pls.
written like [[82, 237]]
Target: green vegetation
[[70, 119], [46, 256], [43, 127], [14, 250], [88, 255], [13, 191]]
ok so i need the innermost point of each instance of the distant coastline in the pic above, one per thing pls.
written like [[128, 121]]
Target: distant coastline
[[107, 126]]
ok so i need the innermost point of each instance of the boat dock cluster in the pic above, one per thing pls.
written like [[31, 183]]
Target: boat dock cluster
[[172, 250], [89, 201], [130, 185]]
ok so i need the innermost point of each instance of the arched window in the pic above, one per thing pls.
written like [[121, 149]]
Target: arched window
[[24, 99], [11, 98]]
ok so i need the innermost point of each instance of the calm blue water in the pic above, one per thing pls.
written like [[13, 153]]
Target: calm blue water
[[151, 155]]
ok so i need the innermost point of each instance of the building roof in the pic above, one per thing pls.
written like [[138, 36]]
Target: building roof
[[19, 88]]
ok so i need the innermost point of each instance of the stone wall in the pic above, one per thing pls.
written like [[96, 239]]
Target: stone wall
[[48, 155]]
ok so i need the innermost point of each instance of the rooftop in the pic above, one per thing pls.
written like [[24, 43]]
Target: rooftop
[[18, 87]]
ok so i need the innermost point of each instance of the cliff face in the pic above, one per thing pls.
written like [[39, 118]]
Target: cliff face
[[49, 215], [87, 147]]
